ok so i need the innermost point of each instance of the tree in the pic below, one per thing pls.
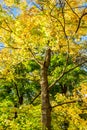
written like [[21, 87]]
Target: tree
[[47, 28]]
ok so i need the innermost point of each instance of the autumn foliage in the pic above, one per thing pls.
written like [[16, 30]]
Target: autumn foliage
[[43, 65]]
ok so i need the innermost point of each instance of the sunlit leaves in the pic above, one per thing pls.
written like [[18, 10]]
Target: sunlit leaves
[[26, 37]]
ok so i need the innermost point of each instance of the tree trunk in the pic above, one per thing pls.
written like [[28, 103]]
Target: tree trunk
[[46, 107], [21, 100]]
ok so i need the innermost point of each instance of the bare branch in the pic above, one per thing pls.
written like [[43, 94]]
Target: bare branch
[[62, 74], [36, 60], [72, 9], [4, 28], [80, 21], [8, 26], [60, 104], [35, 97], [65, 72], [62, 7], [60, 24]]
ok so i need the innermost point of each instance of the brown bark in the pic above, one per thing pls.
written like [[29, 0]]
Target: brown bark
[[46, 107]]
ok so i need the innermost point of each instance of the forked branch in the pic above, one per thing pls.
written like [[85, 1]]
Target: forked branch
[[78, 26], [61, 76]]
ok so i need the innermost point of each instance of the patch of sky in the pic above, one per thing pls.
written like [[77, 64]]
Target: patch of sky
[[84, 4], [84, 67], [1, 2], [15, 11], [33, 3], [30, 3], [80, 40], [60, 4], [1, 45], [84, 38]]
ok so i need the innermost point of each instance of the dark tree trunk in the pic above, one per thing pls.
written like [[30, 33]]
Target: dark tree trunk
[[21, 100], [46, 107], [15, 113]]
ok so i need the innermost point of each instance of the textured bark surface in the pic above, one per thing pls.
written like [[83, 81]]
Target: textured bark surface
[[46, 108]]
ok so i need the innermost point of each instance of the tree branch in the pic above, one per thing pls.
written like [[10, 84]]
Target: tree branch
[[35, 97], [63, 15], [60, 24], [8, 26], [61, 76], [72, 9], [17, 92], [5, 29], [60, 104], [65, 72], [80, 21], [36, 60], [47, 57]]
